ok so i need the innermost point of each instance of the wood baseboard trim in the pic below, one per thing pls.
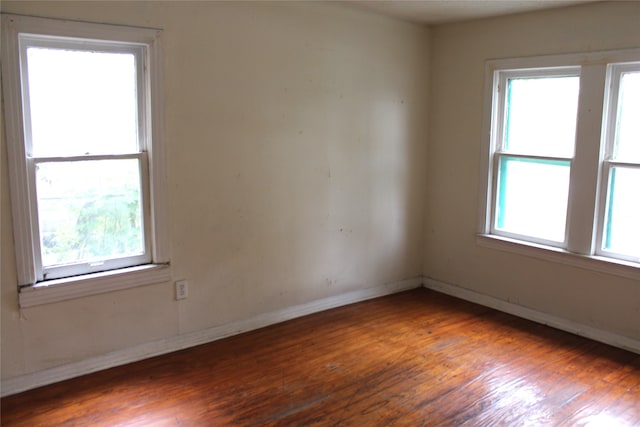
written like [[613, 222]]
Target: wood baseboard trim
[[566, 325], [143, 351]]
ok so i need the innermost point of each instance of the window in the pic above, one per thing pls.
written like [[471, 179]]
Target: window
[[619, 234], [86, 163], [533, 154], [562, 159]]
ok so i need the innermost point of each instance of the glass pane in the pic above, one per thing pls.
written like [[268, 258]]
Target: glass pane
[[622, 223], [89, 210], [532, 197], [541, 116], [81, 102], [628, 126]]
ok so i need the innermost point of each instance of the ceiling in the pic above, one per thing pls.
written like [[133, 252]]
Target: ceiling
[[441, 11]]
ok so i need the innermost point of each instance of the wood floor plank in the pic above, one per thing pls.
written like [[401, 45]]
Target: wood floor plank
[[418, 358]]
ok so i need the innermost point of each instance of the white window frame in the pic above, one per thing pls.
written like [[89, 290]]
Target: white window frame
[[139, 51], [588, 182], [614, 74], [501, 80], [154, 268]]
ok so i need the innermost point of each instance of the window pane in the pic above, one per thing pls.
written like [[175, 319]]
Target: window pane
[[541, 116], [622, 223], [532, 197], [81, 102], [628, 127], [89, 210]]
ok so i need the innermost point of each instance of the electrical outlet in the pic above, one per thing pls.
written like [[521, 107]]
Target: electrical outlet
[[182, 289]]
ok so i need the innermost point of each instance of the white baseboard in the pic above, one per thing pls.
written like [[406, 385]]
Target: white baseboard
[[143, 351], [595, 334]]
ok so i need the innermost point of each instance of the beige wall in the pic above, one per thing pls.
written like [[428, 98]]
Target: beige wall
[[458, 55], [296, 144]]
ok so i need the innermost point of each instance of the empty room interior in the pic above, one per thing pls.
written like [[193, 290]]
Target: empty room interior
[[347, 213]]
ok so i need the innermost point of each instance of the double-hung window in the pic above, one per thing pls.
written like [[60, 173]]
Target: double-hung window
[[561, 156], [533, 153], [86, 163], [619, 233]]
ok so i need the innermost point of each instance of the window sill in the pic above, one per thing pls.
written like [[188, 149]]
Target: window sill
[[600, 264], [92, 284]]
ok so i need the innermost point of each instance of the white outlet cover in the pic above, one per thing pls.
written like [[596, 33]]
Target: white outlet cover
[[182, 289]]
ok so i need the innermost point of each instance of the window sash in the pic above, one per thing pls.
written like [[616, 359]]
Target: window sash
[[610, 116], [500, 94], [497, 189], [138, 50], [78, 268], [604, 233]]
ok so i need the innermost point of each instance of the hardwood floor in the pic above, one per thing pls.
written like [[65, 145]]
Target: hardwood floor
[[410, 359]]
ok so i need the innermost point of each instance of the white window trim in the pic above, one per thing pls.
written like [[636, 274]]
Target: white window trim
[[499, 111], [581, 226], [614, 73], [31, 291]]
